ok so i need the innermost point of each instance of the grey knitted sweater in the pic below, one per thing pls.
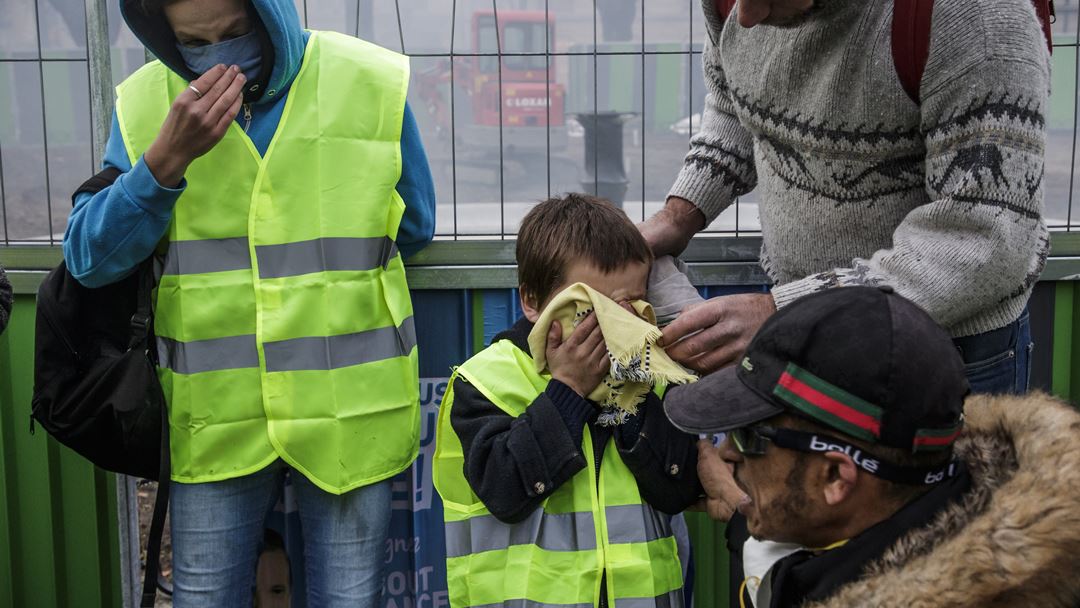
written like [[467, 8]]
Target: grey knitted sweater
[[858, 184]]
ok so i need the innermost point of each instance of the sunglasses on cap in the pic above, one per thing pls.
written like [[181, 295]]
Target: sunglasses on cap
[[753, 440]]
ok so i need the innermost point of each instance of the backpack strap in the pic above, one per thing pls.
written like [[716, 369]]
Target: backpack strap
[[143, 318], [157, 523], [1045, 10], [105, 178], [141, 337], [911, 42], [911, 38], [724, 7]]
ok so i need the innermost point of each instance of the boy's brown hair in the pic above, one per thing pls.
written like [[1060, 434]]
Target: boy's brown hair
[[574, 227]]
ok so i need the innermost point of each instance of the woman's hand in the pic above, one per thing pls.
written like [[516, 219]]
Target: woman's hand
[[195, 124]]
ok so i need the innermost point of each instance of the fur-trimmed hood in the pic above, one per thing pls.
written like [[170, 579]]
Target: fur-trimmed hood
[[1015, 538]]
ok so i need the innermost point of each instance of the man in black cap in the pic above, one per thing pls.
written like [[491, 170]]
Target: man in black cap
[[850, 453]]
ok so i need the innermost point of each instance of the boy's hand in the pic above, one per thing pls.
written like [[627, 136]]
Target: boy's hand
[[581, 362]]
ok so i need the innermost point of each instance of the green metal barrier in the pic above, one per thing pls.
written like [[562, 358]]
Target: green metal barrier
[[712, 580], [58, 513], [1065, 373], [59, 536]]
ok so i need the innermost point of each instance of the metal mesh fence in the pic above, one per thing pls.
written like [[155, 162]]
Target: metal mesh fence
[[46, 140], [520, 100], [516, 100]]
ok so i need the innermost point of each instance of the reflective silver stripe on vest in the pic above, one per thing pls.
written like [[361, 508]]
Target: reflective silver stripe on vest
[[199, 356], [277, 261], [553, 532], [636, 524], [672, 599], [530, 604], [318, 255], [334, 352], [209, 255]]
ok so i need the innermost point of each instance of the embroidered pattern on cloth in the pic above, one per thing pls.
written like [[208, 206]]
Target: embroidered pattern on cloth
[[637, 363]]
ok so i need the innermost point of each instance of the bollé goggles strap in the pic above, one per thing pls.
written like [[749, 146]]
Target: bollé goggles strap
[[748, 440]]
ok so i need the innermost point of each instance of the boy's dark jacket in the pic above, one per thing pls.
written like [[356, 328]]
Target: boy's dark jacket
[[514, 464]]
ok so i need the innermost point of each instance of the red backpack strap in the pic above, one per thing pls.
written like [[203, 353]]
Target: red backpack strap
[[724, 7], [911, 42], [1045, 10]]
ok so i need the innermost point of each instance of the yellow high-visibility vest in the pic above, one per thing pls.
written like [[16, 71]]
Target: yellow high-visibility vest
[[283, 317], [596, 526]]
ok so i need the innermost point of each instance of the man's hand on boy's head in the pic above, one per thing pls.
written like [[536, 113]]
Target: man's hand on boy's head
[[725, 325], [670, 230], [581, 361]]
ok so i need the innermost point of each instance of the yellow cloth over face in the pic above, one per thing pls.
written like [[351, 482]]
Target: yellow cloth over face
[[637, 362]]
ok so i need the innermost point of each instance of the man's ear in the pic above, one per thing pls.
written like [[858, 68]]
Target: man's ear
[[839, 477], [529, 305]]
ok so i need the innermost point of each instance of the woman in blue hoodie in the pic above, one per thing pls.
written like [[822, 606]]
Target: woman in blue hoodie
[[279, 177]]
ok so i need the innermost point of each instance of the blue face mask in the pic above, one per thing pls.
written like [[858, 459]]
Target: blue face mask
[[243, 51]]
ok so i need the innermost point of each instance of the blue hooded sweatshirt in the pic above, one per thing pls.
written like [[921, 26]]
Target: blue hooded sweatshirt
[[109, 233]]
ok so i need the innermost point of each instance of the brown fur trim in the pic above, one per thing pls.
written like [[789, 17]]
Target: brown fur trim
[[1015, 538]]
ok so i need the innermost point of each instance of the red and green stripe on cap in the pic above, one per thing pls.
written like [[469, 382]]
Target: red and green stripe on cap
[[936, 439], [839, 409], [829, 404]]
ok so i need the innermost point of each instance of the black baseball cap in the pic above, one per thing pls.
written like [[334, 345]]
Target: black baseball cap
[[862, 360]]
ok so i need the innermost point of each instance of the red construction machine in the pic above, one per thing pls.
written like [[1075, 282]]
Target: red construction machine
[[531, 100]]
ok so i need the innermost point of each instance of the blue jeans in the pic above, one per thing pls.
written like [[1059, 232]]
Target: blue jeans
[[999, 361], [217, 528]]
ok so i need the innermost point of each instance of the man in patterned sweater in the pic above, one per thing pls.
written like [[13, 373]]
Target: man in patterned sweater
[[858, 184]]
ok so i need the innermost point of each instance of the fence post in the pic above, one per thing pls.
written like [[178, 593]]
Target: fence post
[[99, 63]]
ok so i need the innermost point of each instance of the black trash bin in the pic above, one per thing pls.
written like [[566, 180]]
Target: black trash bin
[[605, 171]]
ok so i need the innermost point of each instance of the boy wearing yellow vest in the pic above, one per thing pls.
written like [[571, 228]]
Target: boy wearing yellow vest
[[278, 176], [548, 498]]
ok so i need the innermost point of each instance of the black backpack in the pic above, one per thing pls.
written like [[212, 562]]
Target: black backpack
[[96, 388]]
